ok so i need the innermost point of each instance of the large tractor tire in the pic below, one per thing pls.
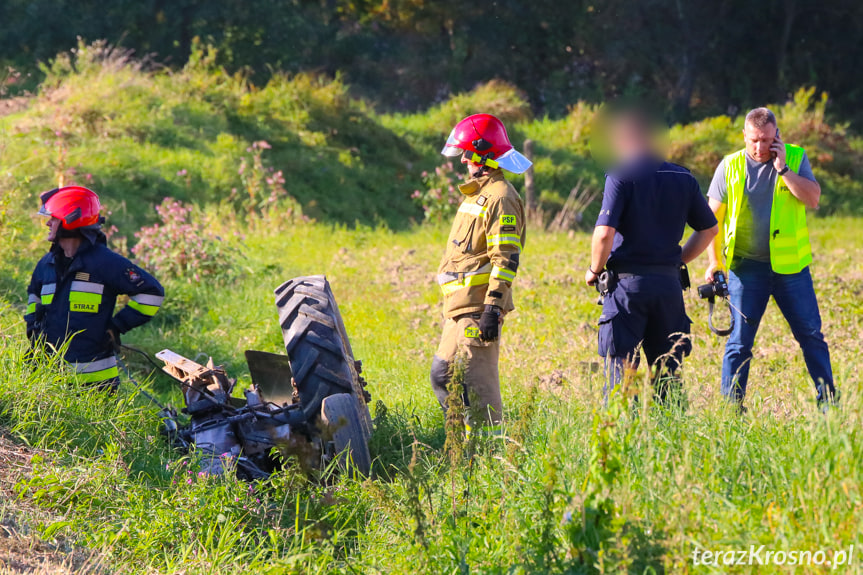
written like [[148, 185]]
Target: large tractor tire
[[341, 418], [321, 358]]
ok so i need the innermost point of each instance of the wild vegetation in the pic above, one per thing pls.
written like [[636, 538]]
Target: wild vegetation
[[88, 485], [695, 59]]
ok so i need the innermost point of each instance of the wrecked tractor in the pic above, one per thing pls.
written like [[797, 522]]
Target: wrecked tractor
[[311, 402]]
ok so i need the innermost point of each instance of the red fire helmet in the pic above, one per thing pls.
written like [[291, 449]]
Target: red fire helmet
[[75, 206], [484, 137]]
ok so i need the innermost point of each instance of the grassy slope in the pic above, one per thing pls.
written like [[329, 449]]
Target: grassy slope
[[784, 475]]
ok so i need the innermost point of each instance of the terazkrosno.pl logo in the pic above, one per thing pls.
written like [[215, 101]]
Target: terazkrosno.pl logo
[[761, 555]]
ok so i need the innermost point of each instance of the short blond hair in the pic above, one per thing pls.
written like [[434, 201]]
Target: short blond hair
[[760, 117]]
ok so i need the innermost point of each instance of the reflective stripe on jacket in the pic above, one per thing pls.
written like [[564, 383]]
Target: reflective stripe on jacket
[[482, 254], [790, 250]]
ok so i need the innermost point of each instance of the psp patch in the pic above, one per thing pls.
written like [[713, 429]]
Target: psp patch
[[506, 220], [134, 276], [471, 332]]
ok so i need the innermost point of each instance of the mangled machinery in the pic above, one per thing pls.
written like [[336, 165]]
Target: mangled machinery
[[311, 402]]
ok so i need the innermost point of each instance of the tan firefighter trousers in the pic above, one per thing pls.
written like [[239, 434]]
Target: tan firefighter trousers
[[460, 346]]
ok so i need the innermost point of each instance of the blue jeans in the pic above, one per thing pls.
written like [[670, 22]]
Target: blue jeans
[[751, 283]]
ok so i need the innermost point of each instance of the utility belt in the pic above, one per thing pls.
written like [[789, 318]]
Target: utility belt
[[631, 270], [609, 278]]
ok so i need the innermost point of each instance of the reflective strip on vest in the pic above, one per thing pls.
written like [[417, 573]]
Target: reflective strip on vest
[[96, 371], [484, 431], [146, 304], [85, 297], [48, 293], [451, 282], [504, 240], [502, 273], [790, 250], [87, 287], [473, 209], [32, 301]]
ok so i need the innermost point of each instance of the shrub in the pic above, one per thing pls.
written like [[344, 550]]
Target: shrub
[[496, 97], [182, 247], [441, 198]]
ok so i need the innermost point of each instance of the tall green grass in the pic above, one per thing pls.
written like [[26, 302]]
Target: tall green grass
[[572, 489]]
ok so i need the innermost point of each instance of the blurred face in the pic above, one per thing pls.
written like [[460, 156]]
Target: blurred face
[[634, 135], [472, 168], [758, 141], [53, 226], [629, 139]]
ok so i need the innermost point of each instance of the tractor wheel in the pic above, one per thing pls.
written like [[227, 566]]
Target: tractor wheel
[[321, 358], [341, 416]]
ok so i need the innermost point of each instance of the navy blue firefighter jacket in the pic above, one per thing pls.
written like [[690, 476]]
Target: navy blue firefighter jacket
[[79, 302]]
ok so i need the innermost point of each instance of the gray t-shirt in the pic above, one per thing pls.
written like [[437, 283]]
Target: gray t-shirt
[[753, 225]]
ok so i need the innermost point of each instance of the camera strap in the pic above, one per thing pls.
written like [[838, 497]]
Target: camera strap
[[711, 303]]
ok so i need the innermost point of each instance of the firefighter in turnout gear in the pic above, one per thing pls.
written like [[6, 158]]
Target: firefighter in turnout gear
[[479, 265], [74, 289]]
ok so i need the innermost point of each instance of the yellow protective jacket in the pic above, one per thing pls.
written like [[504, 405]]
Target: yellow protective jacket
[[484, 246]]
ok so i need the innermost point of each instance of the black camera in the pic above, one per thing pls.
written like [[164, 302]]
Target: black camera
[[718, 288]]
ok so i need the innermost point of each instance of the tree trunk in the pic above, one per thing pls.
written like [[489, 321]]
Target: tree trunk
[[790, 8], [529, 191], [686, 81]]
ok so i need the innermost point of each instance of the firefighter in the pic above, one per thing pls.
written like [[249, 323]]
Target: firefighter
[[74, 289], [646, 205], [480, 263]]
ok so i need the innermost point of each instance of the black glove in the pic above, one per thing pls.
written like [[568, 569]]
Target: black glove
[[114, 338], [489, 323], [33, 335]]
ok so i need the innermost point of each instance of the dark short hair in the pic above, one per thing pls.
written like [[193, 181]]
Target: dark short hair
[[760, 117]]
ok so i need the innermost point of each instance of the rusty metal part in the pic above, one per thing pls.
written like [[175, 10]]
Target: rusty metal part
[[205, 384]]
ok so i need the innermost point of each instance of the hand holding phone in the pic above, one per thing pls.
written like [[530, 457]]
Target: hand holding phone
[[777, 151]]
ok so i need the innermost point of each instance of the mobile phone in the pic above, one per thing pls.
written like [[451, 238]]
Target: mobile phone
[[775, 139]]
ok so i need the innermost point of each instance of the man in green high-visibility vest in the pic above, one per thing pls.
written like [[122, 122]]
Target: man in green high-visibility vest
[[760, 195]]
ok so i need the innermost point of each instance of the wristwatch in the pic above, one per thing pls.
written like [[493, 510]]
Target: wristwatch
[[784, 170]]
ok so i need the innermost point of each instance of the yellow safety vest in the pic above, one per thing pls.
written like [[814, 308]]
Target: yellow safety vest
[[790, 250]]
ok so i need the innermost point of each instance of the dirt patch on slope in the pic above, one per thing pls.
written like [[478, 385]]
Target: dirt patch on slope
[[22, 551]]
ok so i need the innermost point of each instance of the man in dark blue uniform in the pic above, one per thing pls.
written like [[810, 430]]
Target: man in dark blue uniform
[[646, 205], [74, 289]]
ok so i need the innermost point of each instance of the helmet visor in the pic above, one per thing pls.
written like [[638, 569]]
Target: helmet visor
[[514, 162], [452, 148], [44, 197]]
